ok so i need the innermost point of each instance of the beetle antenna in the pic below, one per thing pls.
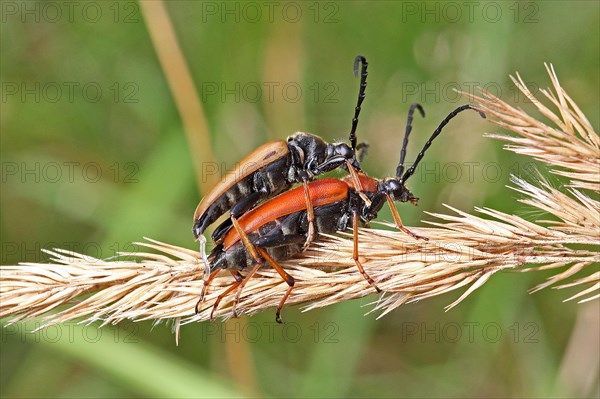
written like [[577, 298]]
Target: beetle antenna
[[411, 111], [361, 95], [436, 133]]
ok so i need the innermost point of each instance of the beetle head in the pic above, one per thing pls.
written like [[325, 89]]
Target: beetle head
[[397, 190]]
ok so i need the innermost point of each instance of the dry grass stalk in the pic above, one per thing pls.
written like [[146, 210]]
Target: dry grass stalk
[[464, 250], [571, 146]]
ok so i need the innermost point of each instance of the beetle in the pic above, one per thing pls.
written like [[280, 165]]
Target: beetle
[[277, 229], [276, 166]]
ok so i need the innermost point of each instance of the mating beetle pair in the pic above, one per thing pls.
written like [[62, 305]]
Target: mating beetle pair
[[275, 167], [265, 229]]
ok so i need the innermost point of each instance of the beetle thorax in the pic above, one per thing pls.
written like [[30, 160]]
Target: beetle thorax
[[308, 152]]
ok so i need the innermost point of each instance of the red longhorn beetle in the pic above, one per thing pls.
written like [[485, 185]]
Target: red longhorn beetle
[[277, 229], [276, 166]]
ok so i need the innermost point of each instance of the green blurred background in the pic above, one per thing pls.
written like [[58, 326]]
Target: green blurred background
[[94, 156]]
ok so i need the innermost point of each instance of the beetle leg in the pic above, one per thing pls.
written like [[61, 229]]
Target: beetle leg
[[251, 248], [242, 285], [238, 280], [355, 252], [258, 254], [311, 217], [284, 275], [398, 221], [207, 281], [357, 183], [245, 240]]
